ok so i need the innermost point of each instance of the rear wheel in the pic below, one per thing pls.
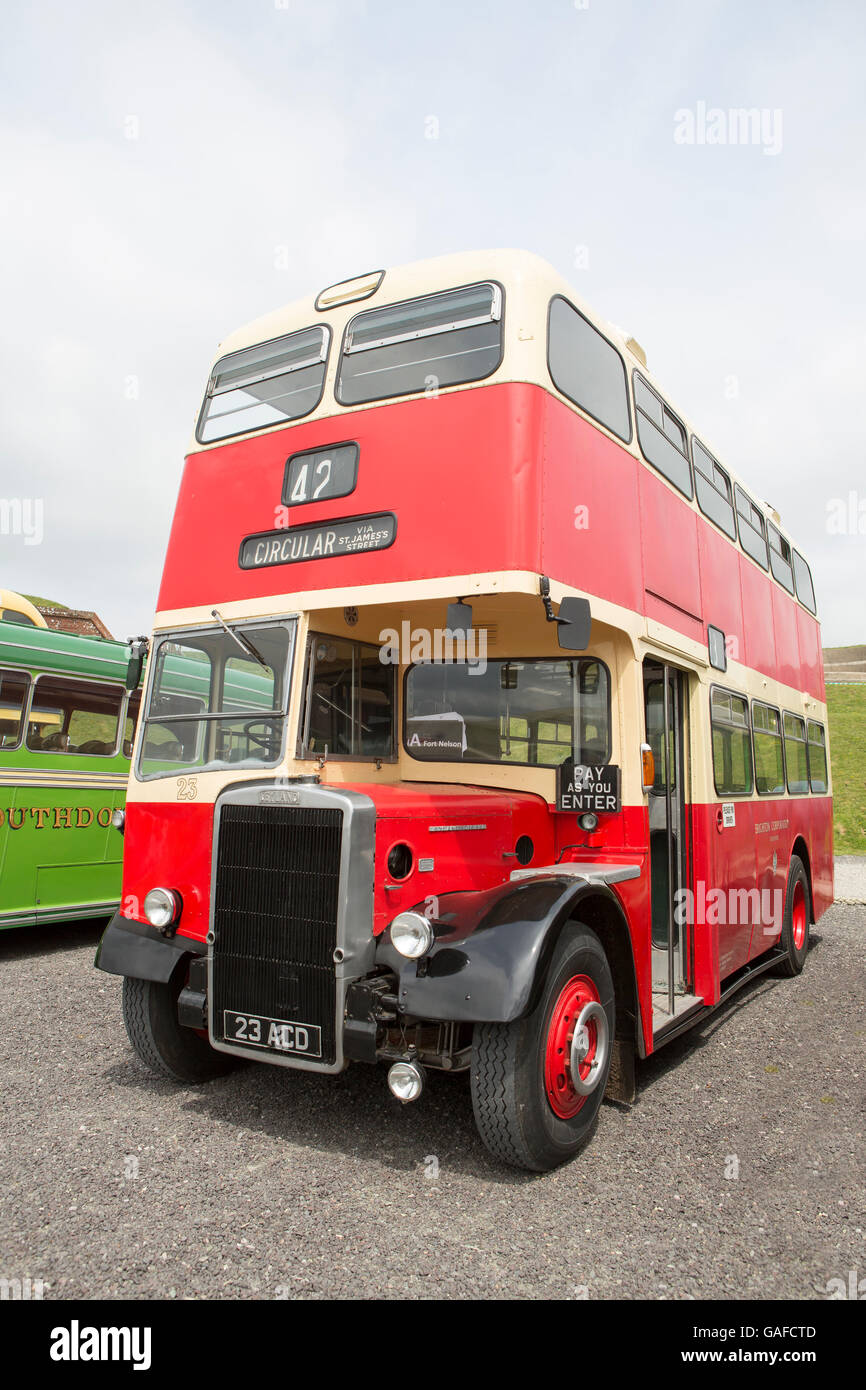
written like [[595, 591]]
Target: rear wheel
[[794, 941], [181, 1054], [538, 1083]]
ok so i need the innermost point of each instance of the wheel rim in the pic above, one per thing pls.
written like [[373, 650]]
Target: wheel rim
[[798, 916], [577, 1048]]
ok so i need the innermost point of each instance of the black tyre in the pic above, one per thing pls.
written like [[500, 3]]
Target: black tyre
[[529, 1110], [181, 1054], [794, 941]]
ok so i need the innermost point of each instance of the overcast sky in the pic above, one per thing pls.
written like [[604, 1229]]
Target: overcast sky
[[163, 164]]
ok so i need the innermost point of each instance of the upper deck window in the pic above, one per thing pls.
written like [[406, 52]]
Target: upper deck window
[[661, 437], [713, 490], [753, 535], [780, 558], [265, 385], [805, 588], [421, 345], [586, 368]]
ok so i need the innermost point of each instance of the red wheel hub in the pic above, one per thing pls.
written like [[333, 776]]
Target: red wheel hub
[[564, 1100], [798, 916]]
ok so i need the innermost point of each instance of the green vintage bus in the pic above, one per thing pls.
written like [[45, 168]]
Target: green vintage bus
[[67, 724]]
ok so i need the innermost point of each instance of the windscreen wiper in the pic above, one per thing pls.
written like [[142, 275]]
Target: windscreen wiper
[[243, 642]]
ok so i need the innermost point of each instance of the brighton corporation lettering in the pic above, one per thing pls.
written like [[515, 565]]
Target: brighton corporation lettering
[[349, 537]]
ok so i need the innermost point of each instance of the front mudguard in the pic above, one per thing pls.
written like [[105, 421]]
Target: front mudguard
[[491, 949], [136, 949]]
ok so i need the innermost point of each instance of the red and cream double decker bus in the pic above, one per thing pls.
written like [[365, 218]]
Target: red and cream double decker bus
[[537, 770]]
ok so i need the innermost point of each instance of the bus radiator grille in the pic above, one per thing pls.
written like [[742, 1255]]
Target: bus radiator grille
[[275, 917]]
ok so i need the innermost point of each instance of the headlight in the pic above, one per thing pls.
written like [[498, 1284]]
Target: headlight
[[411, 934], [162, 907], [406, 1081], [118, 818]]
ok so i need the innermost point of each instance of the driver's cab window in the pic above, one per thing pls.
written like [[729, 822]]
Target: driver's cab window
[[349, 705]]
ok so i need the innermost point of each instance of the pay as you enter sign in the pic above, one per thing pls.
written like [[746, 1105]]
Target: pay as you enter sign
[[584, 787]]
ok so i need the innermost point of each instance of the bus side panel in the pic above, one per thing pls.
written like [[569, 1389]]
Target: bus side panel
[[169, 845], [705, 933], [17, 865], [60, 851], [671, 571], [760, 640], [787, 644], [721, 596], [591, 536], [811, 658], [818, 814], [729, 864], [634, 895]]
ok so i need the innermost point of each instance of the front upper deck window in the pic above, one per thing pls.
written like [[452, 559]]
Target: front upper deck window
[[421, 345], [511, 711], [265, 385], [213, 703]]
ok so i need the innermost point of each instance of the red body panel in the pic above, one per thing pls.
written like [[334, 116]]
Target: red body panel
[[518, 458], [169, 844]]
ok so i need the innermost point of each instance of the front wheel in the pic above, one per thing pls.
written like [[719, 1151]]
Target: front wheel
[[537, 1083], [181, 1054]]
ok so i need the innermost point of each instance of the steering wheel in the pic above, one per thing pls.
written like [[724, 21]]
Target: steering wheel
[[268, 742]]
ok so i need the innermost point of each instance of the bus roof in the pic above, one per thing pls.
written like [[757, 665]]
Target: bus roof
[[528, 279], [43, 649]]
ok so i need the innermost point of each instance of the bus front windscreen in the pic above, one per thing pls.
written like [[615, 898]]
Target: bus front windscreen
[[218, 698]]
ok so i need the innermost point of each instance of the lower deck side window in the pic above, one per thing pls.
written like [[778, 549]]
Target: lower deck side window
[[74, 717], [796, 756], [732, 744], [14, 686], [769, 757], [817, 757]]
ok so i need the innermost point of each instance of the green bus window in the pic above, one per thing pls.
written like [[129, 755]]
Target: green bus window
[[769, 758], [732, 746], [795, 754], [74, 716], [13, 698], [817, 757]]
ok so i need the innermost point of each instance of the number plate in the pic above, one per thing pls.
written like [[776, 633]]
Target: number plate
[[273, 1034]]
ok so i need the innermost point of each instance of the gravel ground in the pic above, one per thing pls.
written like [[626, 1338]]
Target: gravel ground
[[850, 878], [738, 1173]]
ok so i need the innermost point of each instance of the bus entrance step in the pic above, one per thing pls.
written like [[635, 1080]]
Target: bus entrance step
[[683, 1004]]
